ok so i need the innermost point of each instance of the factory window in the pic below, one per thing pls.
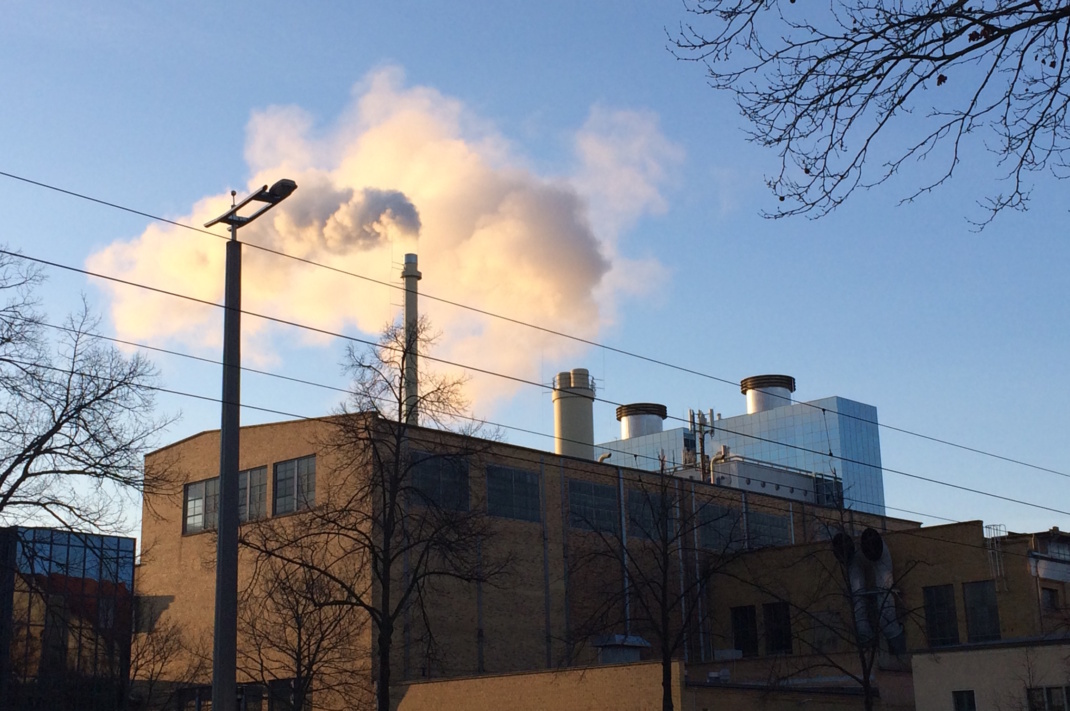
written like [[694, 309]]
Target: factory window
[[649, 514], [592, 506], [294, 485], [513, 493], [440, 481], [941, 621], [745, 630], [764, 530], [777, 619], [1049, 599], [982, 611], [720, 529], [963, 700], [252, 494], [1048, 698], [200, 505]]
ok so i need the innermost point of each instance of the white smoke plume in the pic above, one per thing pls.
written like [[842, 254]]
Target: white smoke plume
[[406, 169]]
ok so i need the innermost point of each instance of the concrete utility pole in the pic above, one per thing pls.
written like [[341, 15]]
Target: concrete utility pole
[[225, 639]]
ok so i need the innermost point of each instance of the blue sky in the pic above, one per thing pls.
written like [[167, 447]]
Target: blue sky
[[569, 171]]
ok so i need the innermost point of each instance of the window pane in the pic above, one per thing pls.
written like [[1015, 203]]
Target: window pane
[[777, 618], [592, 506], [648, 514], [941, 621], [963, 700], [440, 481], [982, 612], [745, 630], [194, 505], [211, 502], [513, 493], [721, 530], [285, 476], [764, 529], [257, 493], [243, 496], [306, 482]]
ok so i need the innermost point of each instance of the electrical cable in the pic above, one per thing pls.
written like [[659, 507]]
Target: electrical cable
[[550, 331]]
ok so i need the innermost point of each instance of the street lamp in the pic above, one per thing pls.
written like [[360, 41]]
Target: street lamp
[[225, 639]]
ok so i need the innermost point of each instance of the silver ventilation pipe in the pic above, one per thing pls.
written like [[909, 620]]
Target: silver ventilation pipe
[[876, 552], [411, 380], [844, 547]]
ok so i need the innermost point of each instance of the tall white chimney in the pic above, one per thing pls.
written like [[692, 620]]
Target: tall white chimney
[[573, 398], [411, 381]]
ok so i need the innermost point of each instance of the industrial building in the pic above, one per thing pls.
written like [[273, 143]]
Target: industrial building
[[834, 439]]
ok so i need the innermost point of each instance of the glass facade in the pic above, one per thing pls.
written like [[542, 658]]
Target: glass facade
[[832, 435], [66, 619]]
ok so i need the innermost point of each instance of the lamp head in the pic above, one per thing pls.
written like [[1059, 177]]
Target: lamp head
[[281, 190]]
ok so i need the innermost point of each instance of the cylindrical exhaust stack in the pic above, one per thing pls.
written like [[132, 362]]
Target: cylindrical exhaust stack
[[411, 381], [573, 398], [641, 418], [765, 392]]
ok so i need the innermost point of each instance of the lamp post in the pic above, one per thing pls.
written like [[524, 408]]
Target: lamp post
[[225, 639]]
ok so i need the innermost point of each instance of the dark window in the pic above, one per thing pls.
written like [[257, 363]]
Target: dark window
[[745, 630], [777, 619], [649, 515], [282, 696], [1048, 698], [295, 485], [720, 529], [513, 493], [1049, 599], [765, 530], [252, 494], [941, 621], [963, 700], [592, 506], [982, 612], [440, 482], [200, 506]]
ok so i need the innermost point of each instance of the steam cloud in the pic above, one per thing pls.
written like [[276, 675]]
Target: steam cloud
[[406, 169]]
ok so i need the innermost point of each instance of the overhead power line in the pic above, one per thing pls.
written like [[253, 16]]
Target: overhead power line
[[543, 329], [524, 381]]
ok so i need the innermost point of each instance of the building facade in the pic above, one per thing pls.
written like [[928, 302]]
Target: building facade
[[66, 619]]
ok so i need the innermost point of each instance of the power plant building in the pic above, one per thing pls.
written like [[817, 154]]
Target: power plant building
[[831, 438]]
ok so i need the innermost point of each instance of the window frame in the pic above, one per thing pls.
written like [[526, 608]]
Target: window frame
[[963, 700], [983, 627], [208, 504], [588, 509], [440, 482], [514, 503], [938, 626], [744, 619], [298, 487], [245, 494], [776, 618]]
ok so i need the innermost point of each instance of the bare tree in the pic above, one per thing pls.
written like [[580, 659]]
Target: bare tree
[[75, 414], [849, 92], [395, 518], [289, 632], [673, 542], [162, 663]]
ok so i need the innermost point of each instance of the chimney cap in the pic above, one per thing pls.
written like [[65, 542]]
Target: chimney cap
[[761, 382], [642, 408]]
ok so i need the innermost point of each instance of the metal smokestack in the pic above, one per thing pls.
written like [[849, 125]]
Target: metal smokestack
[[573, 398], [765, 392], [411, 381]]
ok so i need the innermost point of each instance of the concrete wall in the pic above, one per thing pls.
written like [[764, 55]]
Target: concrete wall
[[628, 687], [998, 675]]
